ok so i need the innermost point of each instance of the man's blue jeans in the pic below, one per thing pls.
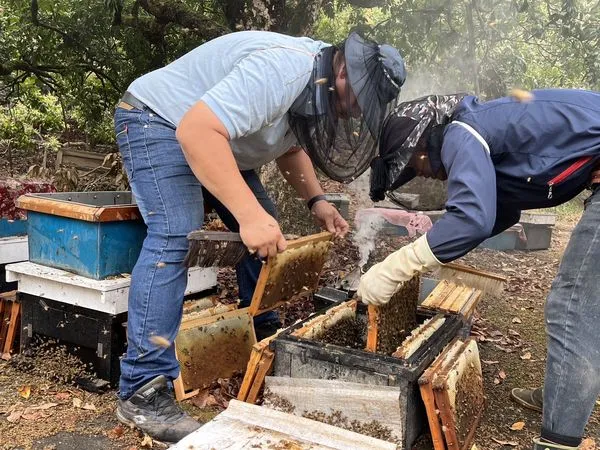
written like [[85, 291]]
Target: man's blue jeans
[[171, 201], [572, 382]]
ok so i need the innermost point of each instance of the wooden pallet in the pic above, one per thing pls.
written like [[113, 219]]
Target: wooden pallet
[[452, 390], [10, 317], [293, 272]]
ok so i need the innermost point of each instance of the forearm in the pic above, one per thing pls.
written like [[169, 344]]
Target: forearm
[[209, 155], [297, 169]]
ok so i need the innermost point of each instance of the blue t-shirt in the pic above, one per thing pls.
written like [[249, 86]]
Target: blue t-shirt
[[249, 79]]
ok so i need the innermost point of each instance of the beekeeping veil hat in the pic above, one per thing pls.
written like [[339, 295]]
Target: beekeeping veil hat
[[403, 129], [342, 141]]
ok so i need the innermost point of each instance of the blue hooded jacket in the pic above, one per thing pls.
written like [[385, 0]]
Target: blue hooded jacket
[[504, 156]]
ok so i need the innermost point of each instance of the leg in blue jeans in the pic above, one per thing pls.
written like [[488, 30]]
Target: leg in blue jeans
[[249, 268], [170, 199], [572, 382]]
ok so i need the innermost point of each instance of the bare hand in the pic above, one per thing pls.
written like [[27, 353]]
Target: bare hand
[[328, 217], [262, 235]]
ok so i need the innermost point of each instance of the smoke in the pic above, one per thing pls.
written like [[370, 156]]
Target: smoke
[[367, 226], [425, 81]]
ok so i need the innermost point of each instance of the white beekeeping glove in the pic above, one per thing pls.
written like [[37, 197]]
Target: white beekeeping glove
[[383, 279]]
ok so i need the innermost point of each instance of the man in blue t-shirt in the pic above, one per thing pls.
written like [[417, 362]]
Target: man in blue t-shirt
[[501, 157], [195, 131]]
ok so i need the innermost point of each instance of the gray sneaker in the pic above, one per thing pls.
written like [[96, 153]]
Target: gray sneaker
[[153, 410], [538, 444]]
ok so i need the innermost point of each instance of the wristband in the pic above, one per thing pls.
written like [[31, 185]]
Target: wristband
[[314, 200]]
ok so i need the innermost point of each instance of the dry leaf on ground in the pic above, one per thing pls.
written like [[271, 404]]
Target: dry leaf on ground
[[62, 396], [147, 441], [116, 432], [517, 426], [201, 399], [46, 405], [588, 444], [511, 443], [77, 402], [516, 320], [14, 416], [526, 355], [502, 375], [25, 391]]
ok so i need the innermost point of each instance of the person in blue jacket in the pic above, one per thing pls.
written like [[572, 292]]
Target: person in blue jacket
[[499, 158], [196, 131]]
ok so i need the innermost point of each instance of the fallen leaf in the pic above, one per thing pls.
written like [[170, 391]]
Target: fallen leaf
[[588, 444], [489, 362], [25, 391], [62, 396], [147, 441], [160, 341], [77, 402], [516, 320], [116, 432], [526, 355], [511, 443], [496, 381], [513, 332], [211, 400], [34, 415], [200, 400], [517, 426], [14, 416], [502, 375], [47, 405], [89, 407]]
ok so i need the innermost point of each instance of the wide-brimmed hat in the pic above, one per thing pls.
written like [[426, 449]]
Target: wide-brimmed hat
[[376, 74]]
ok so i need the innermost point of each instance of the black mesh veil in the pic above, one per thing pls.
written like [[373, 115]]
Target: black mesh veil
[[402, 132], [338, 124]]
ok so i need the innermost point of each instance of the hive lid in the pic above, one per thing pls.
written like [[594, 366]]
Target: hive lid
[[87, 206]]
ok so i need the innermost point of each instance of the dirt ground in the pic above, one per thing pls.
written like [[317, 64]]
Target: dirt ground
[[40, 409]]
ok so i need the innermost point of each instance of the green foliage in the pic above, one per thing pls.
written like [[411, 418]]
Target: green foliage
[[33, 121], [64, 64]]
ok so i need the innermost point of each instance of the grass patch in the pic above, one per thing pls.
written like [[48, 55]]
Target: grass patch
[[568, 212]]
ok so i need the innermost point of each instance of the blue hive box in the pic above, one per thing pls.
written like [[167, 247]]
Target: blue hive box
[[93, 234], [9, 228]]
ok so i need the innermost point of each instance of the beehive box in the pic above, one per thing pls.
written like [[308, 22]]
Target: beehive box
[[538, 229], [95, 337], [301, 353], [93, 234]]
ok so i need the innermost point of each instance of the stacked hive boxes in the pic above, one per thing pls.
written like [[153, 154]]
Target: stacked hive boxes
[[74, 288]]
